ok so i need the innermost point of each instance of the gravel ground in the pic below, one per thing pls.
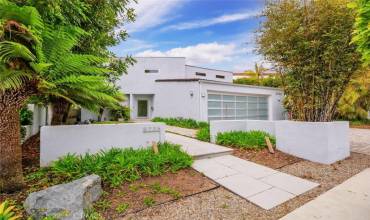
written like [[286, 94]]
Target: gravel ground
[[222, 204]]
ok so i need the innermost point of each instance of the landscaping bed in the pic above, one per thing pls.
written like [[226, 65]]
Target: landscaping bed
[[151, 191], [364, 124], [264, 157], [222, 204], [117, 167]]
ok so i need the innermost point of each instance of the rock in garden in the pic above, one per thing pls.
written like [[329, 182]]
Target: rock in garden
[[65, 201]]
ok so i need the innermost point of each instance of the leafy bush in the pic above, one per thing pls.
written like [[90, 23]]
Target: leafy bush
[[203, 134], [25, 116], [181, 122], [116, 165], [7, 212], [122, 112], [242, 139]]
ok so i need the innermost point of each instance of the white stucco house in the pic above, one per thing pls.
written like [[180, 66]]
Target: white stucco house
[[167, 87]]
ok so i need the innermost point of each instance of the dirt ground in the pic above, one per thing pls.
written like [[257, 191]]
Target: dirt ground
[[151, 191]]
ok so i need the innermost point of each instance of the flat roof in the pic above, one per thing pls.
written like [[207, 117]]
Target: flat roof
[[215, 82], [209, 68]]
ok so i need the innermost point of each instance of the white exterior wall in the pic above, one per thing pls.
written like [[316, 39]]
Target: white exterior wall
[[58, 141], [210, 73], [136, 81], [276, 109], [174, 99]]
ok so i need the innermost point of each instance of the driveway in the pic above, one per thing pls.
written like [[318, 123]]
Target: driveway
[[360, 140]]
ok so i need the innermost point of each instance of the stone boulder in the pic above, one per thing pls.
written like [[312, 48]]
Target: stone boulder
[[65, 201]]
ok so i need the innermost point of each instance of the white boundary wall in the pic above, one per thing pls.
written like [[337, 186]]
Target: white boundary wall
[[322, 142], [220, 126], [57, 141]]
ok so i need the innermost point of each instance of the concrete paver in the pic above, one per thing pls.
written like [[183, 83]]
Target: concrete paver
[[271, 198], [258, 184], [289, 183]]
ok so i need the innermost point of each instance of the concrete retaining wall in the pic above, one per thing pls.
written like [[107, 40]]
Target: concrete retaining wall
[[240, 125], [57, 141], [322, 142]]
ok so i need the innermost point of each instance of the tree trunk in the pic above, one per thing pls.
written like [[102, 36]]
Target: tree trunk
[[60, 109], [11, 173]]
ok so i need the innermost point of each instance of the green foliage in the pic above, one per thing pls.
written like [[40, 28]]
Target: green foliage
[[157, 188], [203, 134], [181, 122], [360, 122], [355, 102], [122, 112], [92, 214], [26, 116], [116, 166], [121, 208], [149, 201], [242, 139], [310, 42], [271, 81], [361, 34], [7, 212]]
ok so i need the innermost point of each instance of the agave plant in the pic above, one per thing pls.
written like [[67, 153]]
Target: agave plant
[[7, 212]]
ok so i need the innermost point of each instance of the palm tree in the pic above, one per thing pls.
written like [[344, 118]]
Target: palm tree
[[35, 60], [77, 79], [20, 43], [259, 70]]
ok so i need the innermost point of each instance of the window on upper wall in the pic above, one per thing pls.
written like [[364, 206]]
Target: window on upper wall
[[151, 71], [200, 74], [220, 77]]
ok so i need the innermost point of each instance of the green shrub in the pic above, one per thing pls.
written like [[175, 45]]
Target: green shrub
[[25, 116], [181, 122], [242, 139], [203, 134], [122, 112], [116, 165]]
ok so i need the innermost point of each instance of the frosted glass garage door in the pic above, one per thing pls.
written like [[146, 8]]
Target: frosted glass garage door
[[231, 107]]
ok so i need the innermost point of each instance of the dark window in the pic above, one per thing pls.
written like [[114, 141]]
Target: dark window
[[151, 71], [200, 74], [220, 76]]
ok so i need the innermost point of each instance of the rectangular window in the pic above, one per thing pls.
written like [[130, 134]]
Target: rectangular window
[[220, 77], [230, 107], [200, 74], [151, 71]]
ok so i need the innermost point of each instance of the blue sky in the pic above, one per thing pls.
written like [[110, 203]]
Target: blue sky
[[210, 33]]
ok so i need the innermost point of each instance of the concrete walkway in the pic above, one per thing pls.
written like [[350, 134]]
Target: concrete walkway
[[197, 149], [349, 200], [258, 184], [182, 131], [360, 140]]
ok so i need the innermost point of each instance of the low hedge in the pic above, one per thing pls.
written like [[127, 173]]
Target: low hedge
[[244, 139], [181, 122], [116, 165]]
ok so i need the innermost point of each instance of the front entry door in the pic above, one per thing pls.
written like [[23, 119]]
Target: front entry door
[[142, 108]]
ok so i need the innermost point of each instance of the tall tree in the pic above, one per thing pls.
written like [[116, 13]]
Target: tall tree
[[310, 42], [31, 56], [361, 34]]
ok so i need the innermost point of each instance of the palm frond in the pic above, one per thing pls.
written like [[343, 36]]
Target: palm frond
[[10, 50], [12, 79], [26, 15]]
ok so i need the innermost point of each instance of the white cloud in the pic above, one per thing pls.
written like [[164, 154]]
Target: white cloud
[[151, 13], [213, 21], [205, 53]]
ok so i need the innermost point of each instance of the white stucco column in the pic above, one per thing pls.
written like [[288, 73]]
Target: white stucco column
[[270, 108]]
